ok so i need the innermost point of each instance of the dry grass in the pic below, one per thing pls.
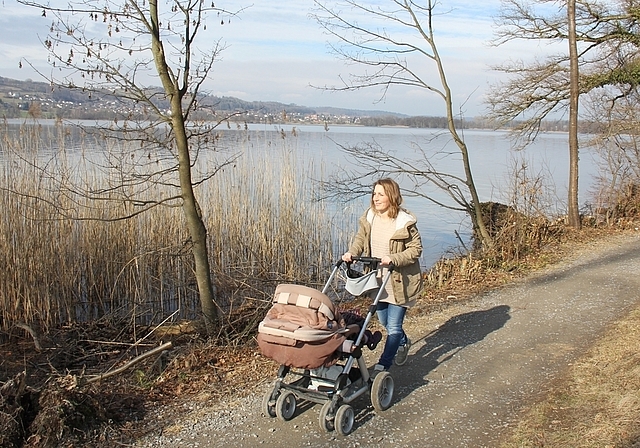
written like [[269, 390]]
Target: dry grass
[[598, 404], [521, 244], [67, 257]]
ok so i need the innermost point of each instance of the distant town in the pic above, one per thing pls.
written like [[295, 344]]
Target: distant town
[[30, 99]]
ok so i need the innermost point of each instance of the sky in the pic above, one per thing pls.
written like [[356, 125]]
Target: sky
[[276, 52]]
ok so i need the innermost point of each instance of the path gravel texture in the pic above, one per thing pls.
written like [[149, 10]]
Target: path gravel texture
[[471, 369]]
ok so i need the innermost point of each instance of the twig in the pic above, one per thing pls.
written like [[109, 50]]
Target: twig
[[134, 361], [113, 342], [139, 341], [90, 355], [461, 241], [156, 327], [33, 334]]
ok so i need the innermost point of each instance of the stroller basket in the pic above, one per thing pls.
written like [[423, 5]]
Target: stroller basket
[[358, 283]]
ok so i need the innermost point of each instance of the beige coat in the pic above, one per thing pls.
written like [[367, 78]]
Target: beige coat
[[405, 247]]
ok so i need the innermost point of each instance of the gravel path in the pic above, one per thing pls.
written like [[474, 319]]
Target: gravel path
[[471, 368]]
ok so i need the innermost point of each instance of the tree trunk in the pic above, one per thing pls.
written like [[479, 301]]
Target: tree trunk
[[193, 215], [572, 200], [476, 213], [195, 224]]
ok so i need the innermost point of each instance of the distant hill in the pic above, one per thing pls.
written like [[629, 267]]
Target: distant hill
[[16, 95], [19, 99], [272, 107]]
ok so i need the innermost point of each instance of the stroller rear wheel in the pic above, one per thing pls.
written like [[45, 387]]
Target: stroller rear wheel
[[286, 406], [382, 391], [344, 420]]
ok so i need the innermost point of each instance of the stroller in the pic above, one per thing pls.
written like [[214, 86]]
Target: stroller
[[304, 332]]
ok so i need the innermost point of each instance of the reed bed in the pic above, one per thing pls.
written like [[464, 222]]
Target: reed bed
[[68, 258]]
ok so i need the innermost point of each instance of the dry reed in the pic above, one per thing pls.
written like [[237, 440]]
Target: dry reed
[[68, 258]]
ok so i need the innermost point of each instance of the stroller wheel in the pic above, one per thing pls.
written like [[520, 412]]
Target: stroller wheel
[[286, 406], [268, 408], [344, 420], [382, 391], [326, 422]]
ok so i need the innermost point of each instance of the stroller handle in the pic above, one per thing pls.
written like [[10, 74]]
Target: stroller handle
[[374, 261]]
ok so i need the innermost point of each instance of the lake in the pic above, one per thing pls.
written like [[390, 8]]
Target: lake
[[492, 157], [492, 161]]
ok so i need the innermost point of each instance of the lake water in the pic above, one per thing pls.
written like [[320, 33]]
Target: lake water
[[492, 157], [492, 160]]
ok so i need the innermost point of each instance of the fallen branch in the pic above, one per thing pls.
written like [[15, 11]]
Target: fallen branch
[[139, 343], [134, 361], [128, 344]]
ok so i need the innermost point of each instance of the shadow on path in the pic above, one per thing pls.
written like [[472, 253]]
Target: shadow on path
[[443, 343]]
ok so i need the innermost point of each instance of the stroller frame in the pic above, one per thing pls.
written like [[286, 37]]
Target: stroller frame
[[336, 413]]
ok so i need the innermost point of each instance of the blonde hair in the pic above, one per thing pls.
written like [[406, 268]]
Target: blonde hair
[[392, 191]]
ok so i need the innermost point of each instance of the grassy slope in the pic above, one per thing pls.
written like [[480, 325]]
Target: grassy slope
[[597, 403]]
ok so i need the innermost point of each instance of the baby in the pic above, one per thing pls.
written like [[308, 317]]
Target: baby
[[371, 340]]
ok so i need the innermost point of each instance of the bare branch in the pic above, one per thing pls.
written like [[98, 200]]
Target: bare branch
[[609, 38], [386, 39], [114, 48], [128, 365]]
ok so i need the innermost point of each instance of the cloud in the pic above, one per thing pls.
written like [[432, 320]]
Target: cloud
[[19, 41], [275, 51]]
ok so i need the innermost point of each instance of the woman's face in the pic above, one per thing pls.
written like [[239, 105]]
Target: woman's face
[[380, 199]]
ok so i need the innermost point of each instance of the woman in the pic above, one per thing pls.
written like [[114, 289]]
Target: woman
[[388, 232]]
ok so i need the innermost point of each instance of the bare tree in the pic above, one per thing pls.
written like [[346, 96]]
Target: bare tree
[[603, 41], [617, 141], [573, 210], [385, 56], [118, 48]]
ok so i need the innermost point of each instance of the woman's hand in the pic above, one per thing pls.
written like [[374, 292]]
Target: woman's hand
[[347, 257], [386, 260]]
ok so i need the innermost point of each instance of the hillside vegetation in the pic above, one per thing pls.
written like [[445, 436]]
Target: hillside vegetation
[[21, 99]]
